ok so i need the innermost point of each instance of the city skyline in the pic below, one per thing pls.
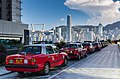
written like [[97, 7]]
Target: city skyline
[[54, 12]]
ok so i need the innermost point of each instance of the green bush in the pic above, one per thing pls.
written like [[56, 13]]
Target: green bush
[[2, 49]]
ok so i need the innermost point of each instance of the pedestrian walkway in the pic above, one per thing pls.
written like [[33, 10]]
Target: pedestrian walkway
[[3, 71]]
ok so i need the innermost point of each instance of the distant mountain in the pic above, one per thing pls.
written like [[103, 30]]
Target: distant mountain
[[112, 26]]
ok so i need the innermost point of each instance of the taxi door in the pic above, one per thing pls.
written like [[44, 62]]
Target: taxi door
[[59, 56], [51, 55], [82, 50]]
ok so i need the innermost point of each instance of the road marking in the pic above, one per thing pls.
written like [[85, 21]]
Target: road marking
[[69, 67], [62, 71], [6, 73]]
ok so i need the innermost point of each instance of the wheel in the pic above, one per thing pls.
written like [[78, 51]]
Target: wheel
[[65, 62], [85, 55], [46, 69], [20, 72], [79, 57]]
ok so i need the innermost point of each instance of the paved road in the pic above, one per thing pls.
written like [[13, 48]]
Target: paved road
[[104, 64]]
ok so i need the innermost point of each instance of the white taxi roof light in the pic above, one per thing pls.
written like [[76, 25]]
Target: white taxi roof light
[[76, 49]]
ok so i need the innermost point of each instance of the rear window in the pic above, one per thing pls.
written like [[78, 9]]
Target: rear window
[[86, 44], [31, 50], [95, 43], [70, 46]]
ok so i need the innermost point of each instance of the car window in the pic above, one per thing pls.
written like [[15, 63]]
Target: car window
[[86, 44], [79, 46], [49, 50], [70, 46], [95, 43], [31, 50], [56, 50]]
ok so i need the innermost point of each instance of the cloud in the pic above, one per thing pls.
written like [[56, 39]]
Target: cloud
[[104, 11]]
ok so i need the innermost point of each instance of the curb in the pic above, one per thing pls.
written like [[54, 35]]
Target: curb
[[5, 73], [2, 64]]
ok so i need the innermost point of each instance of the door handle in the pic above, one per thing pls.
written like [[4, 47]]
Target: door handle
[[56, 54]]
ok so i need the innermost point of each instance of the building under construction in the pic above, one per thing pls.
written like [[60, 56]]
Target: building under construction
[[11, 26]]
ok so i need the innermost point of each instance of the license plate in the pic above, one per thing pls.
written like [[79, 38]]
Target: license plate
[[19, 61]]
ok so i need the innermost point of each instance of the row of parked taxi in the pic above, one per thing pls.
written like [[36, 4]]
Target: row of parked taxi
[[78, 50], [42, 57]]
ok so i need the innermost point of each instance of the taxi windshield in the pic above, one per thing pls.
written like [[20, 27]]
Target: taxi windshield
[[95, 43], [31, 50], [70, 46], [86, 44]]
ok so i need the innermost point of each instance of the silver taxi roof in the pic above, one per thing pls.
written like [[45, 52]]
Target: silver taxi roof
[[42, 45]]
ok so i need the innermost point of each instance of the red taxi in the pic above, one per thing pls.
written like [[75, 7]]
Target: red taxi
[[74, 50], [89, 46], [97, 46], [36, 58]]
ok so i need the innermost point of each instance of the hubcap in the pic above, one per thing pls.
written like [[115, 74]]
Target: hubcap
[[65, 61], [46, 68], [78, 56]]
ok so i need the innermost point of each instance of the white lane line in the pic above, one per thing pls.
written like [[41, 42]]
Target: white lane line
[[62, 71], [69, 67]]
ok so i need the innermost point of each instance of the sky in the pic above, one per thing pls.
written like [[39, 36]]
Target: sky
[[54, 12]]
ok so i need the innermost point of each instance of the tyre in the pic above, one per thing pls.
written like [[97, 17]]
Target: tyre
[[79, 57], [46, 69], [65, 62], [85, 55], [20, 72]]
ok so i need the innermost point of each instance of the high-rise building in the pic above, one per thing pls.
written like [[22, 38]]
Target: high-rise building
[[69, 27], [100, 29], [10, 10], [11, 27]]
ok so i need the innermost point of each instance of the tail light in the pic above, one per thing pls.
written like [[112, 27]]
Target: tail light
[[9, 61], [76, 49], [90, 46], [75, 52], [6, 62], [33, 61]]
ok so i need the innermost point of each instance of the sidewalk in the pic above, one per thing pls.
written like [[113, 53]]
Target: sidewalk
[[3, 71]]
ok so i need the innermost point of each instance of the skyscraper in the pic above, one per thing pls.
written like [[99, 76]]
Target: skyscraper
[[69, 27], [10, 22], [10, 10], [100, 29]]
